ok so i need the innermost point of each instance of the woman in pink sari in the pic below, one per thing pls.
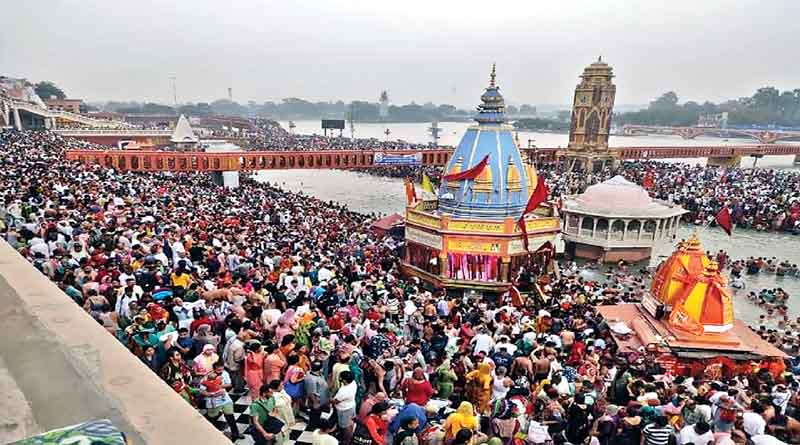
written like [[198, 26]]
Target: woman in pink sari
[[254, 369], [273, 364], [286, 325]]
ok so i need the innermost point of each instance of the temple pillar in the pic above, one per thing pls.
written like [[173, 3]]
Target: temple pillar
[[625, 231], [443, 264], [610, 226], [594, 228], [641, 230], [17, 119], [580, 226], [505, 263]]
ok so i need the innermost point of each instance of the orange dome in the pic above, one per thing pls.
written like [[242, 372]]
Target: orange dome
[[691, 284], [711, 302], [673, 275]]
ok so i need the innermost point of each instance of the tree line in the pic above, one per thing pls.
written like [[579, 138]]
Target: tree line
[[296, 108], [768, 106]]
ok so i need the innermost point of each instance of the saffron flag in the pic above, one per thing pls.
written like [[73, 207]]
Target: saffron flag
[[538, 196], [472, 173], [411, 195], [724, 220], [647, 182], [426, 184]]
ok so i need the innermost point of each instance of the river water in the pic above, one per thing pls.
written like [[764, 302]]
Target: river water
[[365, 193], [452, 131]]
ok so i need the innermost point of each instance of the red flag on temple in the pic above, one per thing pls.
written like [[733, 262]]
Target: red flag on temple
[[647, 182], [724, 220], [472, 173], [411, 194], [516, 296], [538, 196]]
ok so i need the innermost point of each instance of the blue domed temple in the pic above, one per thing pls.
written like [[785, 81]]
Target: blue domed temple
[[468, 237]]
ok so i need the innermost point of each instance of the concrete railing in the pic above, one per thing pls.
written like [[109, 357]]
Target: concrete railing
[[61, 114], [70, 369], [111, 132]]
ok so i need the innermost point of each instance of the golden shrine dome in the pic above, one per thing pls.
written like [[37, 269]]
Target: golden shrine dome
[[691, 284]]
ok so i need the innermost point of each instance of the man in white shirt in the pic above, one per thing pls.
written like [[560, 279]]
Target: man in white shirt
[[322, 436], [697, 434], [766, 439], [345, 403], [482, 342], [753, 422], [324, 274]]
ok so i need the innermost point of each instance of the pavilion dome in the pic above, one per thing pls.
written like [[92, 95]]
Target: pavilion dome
[[616, 192], [503, 187], [620, 197]]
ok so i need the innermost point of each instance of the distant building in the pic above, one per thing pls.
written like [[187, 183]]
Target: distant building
[[713, 120], [383, 109], [19, 89], [592, 108], [70, 105]]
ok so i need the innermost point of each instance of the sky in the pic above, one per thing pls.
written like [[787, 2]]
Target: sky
[[422, 50]]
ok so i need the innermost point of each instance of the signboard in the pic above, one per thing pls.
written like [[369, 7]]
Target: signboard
[[469, 246], [422, 219], [516, 246], [532, 225], [424, 238], [476, 226], [333, 124], [393, 159]]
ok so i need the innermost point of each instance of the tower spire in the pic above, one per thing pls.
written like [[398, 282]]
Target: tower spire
[[493, 75]]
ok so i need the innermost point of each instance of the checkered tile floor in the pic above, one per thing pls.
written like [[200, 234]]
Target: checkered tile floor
[[300, 434]]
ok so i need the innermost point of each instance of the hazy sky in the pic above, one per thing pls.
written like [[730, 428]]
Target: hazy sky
[[432, 50]]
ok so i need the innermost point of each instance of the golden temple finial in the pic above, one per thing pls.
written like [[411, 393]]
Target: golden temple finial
[[712, 268], [493, 75], [694, 240]]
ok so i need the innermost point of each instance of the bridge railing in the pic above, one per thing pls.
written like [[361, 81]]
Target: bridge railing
[[111, 132], [262, 160]]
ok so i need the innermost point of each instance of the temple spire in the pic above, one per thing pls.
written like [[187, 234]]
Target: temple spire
[[493, 76]]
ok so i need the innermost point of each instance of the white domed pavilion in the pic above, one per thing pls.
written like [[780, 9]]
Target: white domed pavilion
[[617, 220]]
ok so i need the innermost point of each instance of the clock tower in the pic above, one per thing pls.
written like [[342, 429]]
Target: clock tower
[[592, 108]]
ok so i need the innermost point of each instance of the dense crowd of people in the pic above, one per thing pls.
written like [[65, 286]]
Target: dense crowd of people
[[295, 303]]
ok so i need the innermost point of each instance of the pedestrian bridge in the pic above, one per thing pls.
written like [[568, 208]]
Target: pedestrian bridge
[[762, 136], [155, 160], [10, 109]]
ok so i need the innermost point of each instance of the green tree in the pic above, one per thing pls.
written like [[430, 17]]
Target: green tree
[[47, 89]]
